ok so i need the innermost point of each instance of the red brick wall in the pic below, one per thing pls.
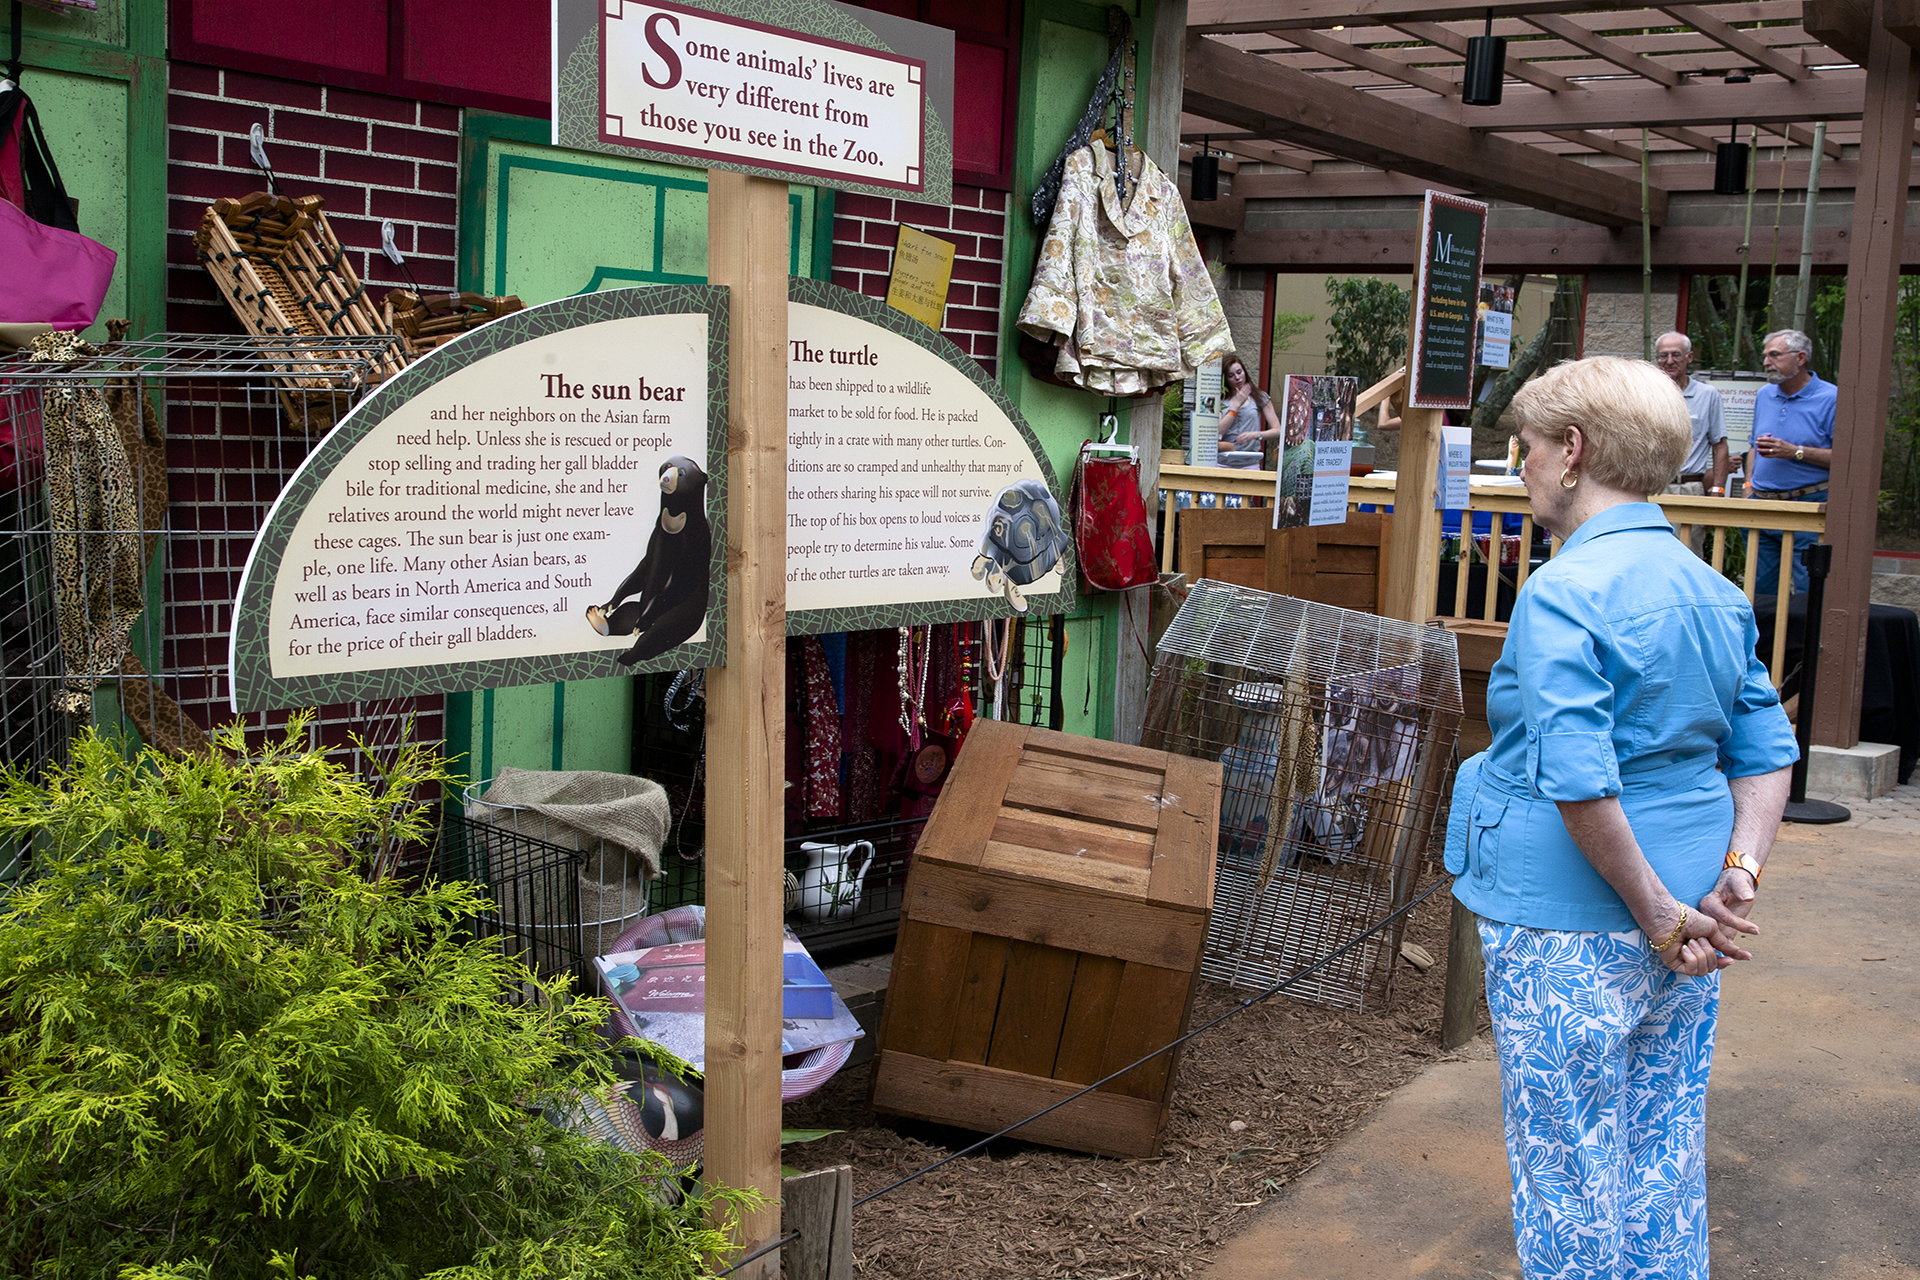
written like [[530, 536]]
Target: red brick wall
[[865, 229], [230, 448], [371, 157]]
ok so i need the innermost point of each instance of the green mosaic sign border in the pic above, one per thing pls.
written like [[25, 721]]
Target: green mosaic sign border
[[807, 622], [256, 688]]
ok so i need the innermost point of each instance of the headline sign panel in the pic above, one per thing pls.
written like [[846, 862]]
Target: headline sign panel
[[835, 97], [541, 499], [1446, 302]]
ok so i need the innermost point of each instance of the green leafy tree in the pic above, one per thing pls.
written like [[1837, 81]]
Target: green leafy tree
[[1367, 318], [230, 1049]]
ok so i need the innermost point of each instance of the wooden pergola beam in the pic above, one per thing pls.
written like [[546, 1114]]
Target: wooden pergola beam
[[1367, 60], [1689, 137], [1251, 146], [1445, 38], [1601, 47], [1208, 16], [1281, 103], [1835, 177], [1598, 143], [1690, 249], [1634, 106], [1735, 39]]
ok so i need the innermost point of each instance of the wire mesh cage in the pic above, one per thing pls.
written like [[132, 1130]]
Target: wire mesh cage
[[1335, 732], [535, 887], [133, 479]]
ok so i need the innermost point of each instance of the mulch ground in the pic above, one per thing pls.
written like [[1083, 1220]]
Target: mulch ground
[[1258, 1101]]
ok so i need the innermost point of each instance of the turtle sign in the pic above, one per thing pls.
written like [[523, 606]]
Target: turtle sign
[[916, 492]]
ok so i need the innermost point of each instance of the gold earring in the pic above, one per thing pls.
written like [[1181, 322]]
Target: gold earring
[[1569, 475]]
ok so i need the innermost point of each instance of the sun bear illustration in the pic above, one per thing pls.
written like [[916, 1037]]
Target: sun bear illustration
[[664, 600]]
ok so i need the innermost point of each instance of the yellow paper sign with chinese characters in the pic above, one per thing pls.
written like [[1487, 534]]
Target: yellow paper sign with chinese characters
[[922, 270]]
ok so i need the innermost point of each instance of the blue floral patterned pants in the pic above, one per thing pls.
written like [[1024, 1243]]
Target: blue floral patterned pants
[[1604, 1055]]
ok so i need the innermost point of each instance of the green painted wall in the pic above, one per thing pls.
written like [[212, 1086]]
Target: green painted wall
[[541, 223], [99, 82], [1063, 50]]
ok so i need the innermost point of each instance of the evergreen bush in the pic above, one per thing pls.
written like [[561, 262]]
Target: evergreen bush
[[231, 1047]]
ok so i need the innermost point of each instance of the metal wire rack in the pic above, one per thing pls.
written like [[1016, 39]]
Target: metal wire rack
[[133, 479], [1335, 732], [535, 887]]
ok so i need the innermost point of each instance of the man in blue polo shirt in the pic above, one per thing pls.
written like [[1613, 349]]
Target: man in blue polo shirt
[[1792, 449]]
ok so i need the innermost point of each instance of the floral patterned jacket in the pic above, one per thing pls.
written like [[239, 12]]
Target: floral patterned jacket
[[1124, 292]]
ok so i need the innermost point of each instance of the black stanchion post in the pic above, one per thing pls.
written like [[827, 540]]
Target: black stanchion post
[[1819, 560]]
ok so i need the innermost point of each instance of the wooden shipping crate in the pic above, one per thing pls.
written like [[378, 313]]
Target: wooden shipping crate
[[1051, 934]]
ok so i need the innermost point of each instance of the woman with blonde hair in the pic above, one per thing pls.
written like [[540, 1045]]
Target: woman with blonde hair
[[1611, 839]]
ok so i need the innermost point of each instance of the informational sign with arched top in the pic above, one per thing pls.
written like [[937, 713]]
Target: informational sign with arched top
[[916, 493], [542, 499]]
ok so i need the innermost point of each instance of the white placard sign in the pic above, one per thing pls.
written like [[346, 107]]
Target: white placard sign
[[709, 86], [895, 461], [1332, 470], [1496, 348], [502, 513], [1454, 491], [1204, 434]]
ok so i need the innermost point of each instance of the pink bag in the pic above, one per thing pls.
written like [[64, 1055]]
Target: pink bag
[[54, 277]]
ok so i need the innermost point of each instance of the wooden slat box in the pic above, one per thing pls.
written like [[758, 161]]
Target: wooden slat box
[[1051, 934]]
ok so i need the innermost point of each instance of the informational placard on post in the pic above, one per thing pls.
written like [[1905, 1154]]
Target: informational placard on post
[[835, 96], [1446, 299], [1203, 449], [541, 499], [1454, 490], [916, 493]]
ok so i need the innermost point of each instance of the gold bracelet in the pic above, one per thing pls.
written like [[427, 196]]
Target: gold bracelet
[[1668, 941]]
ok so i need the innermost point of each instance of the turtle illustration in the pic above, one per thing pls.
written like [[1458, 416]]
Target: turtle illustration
[[1024, 540]]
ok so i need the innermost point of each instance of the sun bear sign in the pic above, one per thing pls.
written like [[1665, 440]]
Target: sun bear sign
[[543, 499]]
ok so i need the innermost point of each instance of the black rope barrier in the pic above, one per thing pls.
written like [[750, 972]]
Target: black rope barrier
[[1239, 1008]]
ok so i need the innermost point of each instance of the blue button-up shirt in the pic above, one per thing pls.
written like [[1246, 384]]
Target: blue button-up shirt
[[1629, 670], [1803, 418]]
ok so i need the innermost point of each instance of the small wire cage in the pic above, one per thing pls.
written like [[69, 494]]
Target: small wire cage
[[535, 887], [133, 479], [1335, 732]]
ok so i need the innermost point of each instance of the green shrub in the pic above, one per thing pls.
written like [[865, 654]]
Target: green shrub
[[229, 1051]]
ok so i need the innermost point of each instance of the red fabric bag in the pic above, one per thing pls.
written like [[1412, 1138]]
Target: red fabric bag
[[52, 276], [1110, 521]]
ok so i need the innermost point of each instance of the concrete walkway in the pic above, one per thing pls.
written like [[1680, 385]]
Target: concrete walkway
[[1813, 1122]]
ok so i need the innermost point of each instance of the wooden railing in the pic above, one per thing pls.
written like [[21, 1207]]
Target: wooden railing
[[1722, 515]]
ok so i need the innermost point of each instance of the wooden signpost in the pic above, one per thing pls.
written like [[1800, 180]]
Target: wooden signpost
[[857, 102]]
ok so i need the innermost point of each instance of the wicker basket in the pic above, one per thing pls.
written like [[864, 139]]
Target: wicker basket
[[285, 274], [424, 324]]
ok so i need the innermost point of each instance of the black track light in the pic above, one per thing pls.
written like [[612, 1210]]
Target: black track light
[[1486, 70], [1206, 173], [1730, 164]]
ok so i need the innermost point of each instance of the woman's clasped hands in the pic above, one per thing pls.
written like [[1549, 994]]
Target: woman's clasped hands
[[1710, 939]]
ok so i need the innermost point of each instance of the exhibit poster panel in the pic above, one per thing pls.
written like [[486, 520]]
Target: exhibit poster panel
[[1446, 302], [541, 499], [807, 90], [1316, 454], [1497, 300], [916, 493]]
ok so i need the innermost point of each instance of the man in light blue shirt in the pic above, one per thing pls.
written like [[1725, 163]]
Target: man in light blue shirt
[[1792, 450]]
